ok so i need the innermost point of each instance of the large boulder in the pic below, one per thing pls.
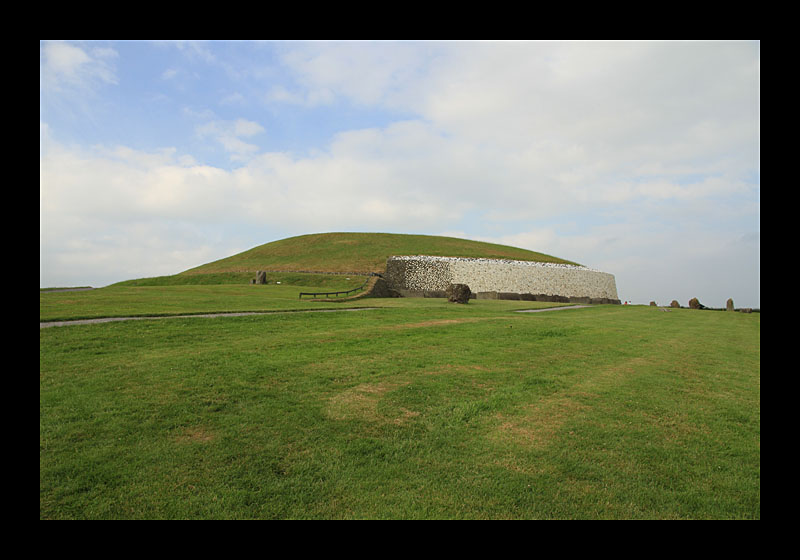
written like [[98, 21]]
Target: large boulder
[[458, 293], [382, 289]]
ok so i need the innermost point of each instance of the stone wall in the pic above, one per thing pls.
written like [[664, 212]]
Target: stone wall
[[423, 275]]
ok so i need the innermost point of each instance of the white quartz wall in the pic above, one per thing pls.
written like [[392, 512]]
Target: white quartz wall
[[491, 275]]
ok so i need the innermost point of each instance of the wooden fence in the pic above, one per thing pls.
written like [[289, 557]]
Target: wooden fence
[[335, 294]]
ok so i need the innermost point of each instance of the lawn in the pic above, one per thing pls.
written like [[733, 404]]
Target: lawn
[[419, 409], [157, 300]]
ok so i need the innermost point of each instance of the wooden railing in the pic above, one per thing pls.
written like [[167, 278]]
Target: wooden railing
[[337, 294]]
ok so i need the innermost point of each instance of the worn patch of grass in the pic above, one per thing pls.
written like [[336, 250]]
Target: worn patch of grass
[[419, 410]]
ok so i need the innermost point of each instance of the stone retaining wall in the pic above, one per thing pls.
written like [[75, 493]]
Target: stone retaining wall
[[501, 279]]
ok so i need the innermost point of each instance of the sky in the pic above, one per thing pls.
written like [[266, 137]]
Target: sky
[[640, 159]]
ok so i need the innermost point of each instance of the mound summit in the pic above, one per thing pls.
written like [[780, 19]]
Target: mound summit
[[360, 253]]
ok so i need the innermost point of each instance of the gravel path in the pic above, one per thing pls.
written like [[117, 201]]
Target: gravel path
[[43, 325], [51, 290], [552, 308], [112, 319]]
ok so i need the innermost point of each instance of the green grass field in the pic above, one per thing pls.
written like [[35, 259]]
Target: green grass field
[[419, 409], [146, 298]]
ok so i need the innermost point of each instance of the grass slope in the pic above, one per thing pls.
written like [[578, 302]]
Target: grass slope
[[358, 252]]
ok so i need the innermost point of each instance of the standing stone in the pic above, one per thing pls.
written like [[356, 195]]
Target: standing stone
[[261, 277], [729, 305], [653, 304], [694, 303], [458, 293], [674, 303]]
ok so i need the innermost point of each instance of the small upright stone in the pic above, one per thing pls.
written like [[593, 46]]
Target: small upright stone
[[653, 304], [261, 277], [458, 293], [729, 305]]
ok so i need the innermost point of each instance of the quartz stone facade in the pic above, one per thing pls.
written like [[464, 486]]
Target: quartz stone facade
[[425, 275]]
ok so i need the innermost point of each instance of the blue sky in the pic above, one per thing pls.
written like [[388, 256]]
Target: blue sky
[[641, 159]]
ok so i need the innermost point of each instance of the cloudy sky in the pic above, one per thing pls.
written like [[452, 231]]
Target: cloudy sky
[[641, 159]]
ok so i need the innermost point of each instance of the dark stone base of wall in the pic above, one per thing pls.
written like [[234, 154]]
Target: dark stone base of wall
[[511, 296], [425, 293], [545, 297]]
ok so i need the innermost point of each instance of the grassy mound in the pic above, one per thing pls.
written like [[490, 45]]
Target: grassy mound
[[358, 252]]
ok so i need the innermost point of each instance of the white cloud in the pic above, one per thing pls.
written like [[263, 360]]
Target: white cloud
[[639, 100], [230, 134], [72, 78], [408, 176], [125, 251], [368, 73], [310, 98], [575, 123], [235, 98], [195, 50], [243, 127], [371, 178], [65, 66]]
